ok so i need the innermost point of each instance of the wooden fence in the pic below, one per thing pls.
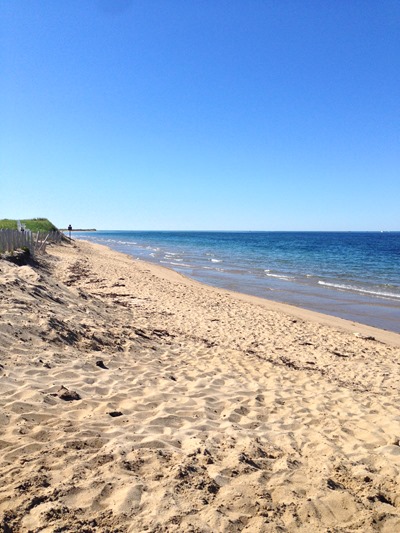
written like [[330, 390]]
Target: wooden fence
[[11, 240]]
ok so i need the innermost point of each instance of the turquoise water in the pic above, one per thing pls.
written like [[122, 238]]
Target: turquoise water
[[351, 275]]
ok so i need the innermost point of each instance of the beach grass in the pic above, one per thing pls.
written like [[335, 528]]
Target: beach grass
[[6, 223], [33, 224]]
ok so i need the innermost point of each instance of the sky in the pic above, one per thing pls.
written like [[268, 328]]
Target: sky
[[201, 114]]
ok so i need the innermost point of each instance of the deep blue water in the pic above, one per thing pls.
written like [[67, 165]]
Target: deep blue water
[[352, 275]]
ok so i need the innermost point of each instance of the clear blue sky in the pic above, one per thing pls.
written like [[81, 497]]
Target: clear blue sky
[[201, 114]]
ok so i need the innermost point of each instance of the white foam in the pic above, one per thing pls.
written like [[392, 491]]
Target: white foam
[[216, 260], [280, 276], [215, 269], [358, 289], [175, 264], [180, 264]]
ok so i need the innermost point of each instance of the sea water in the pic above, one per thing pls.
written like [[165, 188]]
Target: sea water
[[351, 275]]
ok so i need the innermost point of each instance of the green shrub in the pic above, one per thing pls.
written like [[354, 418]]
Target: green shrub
[[26, 250]]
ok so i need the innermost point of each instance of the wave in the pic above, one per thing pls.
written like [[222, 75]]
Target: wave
[[359, 289], [279, 276], [215, 269], [216, 260], [122, 242], [180, 264], [112, 241], [176, 264]]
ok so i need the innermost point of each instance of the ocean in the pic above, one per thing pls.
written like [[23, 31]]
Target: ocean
[[353, 275]]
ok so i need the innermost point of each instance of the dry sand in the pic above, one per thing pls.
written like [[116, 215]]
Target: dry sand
[[134, 399]]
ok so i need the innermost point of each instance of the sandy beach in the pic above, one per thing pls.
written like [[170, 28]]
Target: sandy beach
[[134, 399]]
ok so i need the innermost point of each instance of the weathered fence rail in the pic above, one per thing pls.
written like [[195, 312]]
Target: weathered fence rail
[[11, 240]]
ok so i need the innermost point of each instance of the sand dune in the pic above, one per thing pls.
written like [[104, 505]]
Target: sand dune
[[134, 399]]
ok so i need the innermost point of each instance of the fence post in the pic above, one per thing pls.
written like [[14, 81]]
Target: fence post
[[10, 240]]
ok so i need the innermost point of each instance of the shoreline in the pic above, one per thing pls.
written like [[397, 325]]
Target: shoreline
[[351, 326], [135, 399], [350, 299], [312, 309]]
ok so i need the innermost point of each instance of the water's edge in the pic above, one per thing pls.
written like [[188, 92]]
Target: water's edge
[[357, 302]]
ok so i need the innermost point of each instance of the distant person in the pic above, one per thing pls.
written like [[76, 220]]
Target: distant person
[[70, 229]]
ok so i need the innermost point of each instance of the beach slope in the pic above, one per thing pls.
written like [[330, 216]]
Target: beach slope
[[134, 399]]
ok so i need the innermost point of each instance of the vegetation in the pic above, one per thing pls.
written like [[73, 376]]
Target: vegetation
[[5, 223], [33, 224], [39, 224]]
